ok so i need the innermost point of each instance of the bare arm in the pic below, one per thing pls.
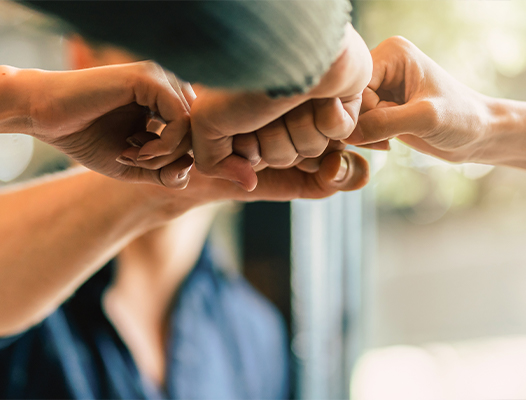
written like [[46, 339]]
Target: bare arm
[[412, 98], [57, 231], [74, 111]]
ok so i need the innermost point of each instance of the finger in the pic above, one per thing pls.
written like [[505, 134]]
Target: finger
[[343, 171], [159, 162], [331, 118], [338, 171], [141, 138], [155, 125], [383, 145], [188, 92], [309, 165], [213, 157], [261, 166], [370, 100], [308, 141], [174, 175], [247, 146], [312, 165], [276, 145], [233, 168], [172, 107], [171, 136], [387, 122], [181, 88], [390, 64]]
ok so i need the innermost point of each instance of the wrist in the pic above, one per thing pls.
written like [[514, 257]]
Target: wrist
[[351, 72], [14, 101], [504, 139]]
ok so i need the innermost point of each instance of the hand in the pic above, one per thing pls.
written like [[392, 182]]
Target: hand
[[412, 98], [278, 131], [88, 114], [335, 171]]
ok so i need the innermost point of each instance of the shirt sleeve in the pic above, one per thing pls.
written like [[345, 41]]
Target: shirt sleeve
[[6, 341], [283, 47]]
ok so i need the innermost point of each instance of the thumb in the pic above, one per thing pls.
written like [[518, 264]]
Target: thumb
[[342, 171], [384, 123]]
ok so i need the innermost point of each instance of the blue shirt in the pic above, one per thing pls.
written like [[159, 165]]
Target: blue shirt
[[226, 342]]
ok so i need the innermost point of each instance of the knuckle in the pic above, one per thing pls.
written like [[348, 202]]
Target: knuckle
[[337, 132], [399, 42], [311, 153], [332, 123], [299, 124], [299, 120], [151, 66], [271, 134], [430, 114], [341, 134], [184, 116], [311, 150], [245, 140]]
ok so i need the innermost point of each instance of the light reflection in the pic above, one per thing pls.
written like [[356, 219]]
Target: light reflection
[[15, 154], [474, 369]]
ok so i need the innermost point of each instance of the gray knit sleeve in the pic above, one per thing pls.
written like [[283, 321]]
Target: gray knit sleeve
[[281, 46]]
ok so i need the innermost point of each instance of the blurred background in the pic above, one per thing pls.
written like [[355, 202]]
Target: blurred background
[[413, 288], [444, 295]]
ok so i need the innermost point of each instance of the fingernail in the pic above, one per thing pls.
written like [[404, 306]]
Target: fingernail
[[240, 185], [356, 137], [133, 142], [343, 170], [184, 173], [145, 157], [255, 161], [126, 161]]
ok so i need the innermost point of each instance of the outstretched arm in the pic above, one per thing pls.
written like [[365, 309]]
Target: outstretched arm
[[74, 111], [59, 230]]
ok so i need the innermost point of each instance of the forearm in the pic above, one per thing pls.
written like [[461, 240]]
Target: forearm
[[504, 141], [56, 233]]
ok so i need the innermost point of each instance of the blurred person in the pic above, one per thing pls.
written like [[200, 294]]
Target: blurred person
[[161, 321], [412, 98], [286, 76]]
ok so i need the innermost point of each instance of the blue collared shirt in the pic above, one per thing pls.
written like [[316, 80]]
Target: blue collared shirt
[[226, 342]]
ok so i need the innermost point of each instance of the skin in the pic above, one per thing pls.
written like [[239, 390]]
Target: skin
[[58, 233], [413, 99], [72, 111], [279, 130]]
